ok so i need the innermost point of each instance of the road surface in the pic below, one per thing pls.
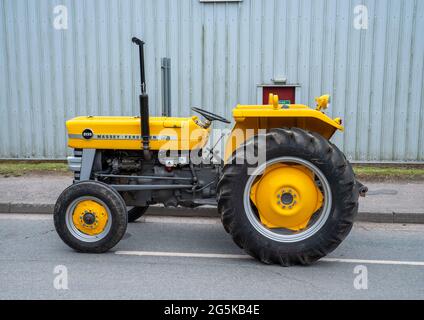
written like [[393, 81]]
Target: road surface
[[187, 258]]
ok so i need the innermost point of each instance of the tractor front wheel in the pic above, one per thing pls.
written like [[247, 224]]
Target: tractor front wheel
[[90, 216], [296, 206]]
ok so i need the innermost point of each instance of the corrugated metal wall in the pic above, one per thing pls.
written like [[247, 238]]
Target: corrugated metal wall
[[219, 52]]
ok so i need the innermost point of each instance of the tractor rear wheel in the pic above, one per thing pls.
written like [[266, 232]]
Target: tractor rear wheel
[[136, 212], [297, 207], [90, 216]]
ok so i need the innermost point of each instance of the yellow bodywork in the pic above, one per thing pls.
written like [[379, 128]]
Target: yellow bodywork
[[171, 133], [286, 196], [251, 118], [124, 133]]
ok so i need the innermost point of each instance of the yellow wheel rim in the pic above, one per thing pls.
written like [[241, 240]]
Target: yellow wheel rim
[[286, 196], [90, 217]]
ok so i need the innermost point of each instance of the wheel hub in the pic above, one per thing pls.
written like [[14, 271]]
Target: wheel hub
[[286, 196], [90, 217]]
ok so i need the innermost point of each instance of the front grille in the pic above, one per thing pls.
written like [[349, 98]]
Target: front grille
[[74, 163]]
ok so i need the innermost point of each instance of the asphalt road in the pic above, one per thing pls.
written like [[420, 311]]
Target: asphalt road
[[171, 258]]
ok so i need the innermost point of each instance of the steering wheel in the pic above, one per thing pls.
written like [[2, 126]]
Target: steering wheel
[[209, 115]]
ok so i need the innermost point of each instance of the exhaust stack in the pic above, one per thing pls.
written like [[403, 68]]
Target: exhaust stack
[[144, 103]]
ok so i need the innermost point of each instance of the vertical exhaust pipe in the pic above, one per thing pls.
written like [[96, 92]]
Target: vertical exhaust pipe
[[144, 103]]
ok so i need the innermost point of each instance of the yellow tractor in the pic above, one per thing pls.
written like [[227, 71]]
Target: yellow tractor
[[285, 193]]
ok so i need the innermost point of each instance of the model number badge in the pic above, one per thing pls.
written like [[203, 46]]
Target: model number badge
[[87, 134]]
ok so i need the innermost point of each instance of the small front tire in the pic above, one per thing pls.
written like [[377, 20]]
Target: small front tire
[[90, 216]]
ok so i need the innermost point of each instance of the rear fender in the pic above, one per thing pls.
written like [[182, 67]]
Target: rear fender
[[249, 119]]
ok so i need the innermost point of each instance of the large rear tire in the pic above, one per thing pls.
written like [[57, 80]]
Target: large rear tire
[[317, 239], [90, 216]]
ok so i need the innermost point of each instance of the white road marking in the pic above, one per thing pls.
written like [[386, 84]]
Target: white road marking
[[364, 261], [183, 220], [243, 256], [184, 254], [26, 216]]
